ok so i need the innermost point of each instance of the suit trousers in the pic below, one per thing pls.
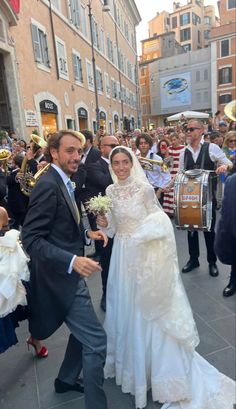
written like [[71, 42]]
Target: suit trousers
[[86, 349], [193, 242]]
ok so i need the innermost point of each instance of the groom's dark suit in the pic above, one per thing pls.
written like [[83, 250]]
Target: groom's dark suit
[[51, 236]]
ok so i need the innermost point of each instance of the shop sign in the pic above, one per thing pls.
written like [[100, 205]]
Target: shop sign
[[48, 106], [82, 113], [31, 118]]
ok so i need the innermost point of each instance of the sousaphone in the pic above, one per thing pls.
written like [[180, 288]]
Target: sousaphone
[[230, 110]]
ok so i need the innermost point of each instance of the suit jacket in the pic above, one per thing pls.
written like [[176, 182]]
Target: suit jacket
[[17, 202], [51, 236], [225, 240], [3, 189], [93, 155], [98, 177]]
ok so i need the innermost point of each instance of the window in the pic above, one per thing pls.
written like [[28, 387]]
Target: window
[[110, 49], [224, 99], [231, 4], [95, 33], [196, 19], [74, 9], [207, 34], [205, 96], [61, 58], [198, 76], [184, 19], [89, 75], [185, 34], [99, 80], [205, 75], [102, 41], [77, 67], [187, 47], [2, 37], [207, 20], [199, 36], [174, 22], [198, 97], [114, 89], [107, 85], [40, 45], [224, 48], [83, 21], [225, 75], [56, 4]]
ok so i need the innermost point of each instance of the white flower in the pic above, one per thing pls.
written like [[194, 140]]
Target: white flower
[[99, 205]]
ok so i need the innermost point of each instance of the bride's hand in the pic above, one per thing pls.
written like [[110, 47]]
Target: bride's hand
[[102, 221]]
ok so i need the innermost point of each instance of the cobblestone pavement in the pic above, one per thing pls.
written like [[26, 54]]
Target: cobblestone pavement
[[26, 382]]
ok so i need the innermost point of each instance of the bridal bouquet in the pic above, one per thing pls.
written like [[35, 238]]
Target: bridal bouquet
[[99, 205]]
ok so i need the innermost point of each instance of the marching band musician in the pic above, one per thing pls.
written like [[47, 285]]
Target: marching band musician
[[208, 156], [156, 177]]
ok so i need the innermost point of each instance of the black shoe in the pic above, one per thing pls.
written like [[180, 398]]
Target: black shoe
[[62, 387], [230, 289], [103, 303], [191, 264], [213, 270]]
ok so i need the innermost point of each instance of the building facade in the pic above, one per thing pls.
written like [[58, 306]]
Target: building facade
[[223, 56], [60, 82], [191, 23], [180, 84]]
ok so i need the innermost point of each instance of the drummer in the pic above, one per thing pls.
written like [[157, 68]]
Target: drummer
[[208, 156]]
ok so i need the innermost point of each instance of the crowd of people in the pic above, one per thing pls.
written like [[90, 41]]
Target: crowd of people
[[149, 323]]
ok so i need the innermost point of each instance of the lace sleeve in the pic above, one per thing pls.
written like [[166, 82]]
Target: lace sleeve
[[150, 200], [110, 230]]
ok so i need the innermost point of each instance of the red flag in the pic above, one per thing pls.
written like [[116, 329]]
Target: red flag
[[15, 5]]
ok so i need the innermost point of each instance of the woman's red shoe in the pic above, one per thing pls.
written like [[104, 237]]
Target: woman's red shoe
[[40, 353]]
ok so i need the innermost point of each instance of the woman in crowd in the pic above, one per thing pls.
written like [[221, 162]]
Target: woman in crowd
[[150, 328], [229, 147], [174, 151]]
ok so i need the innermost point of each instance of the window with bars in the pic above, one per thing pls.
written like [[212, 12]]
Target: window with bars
[[185, 34], [225, 75], [77, 67], [40, 45]]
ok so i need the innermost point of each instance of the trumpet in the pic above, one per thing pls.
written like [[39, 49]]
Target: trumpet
[[148, 164], [5, 155]]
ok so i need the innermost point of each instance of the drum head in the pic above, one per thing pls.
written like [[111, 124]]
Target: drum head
[[193, 173]]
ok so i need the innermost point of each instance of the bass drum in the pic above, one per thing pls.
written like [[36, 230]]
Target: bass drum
[[193, 200]]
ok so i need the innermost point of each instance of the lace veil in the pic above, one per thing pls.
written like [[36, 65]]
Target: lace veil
[[136, 171]]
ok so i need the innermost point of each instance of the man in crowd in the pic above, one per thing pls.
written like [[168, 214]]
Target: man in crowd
[[202, 155], [98, 178], [54, 238]]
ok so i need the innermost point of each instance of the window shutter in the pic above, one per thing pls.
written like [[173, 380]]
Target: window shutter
[[75, 66], [36, 43]]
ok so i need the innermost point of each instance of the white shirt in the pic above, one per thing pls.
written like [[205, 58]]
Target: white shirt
[[65, 179], [85, 155], [215, 152], [156, 177]]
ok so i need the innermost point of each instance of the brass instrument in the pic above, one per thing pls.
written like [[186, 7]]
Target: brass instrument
[[230, 110], [28, 181], [148, 164], [5, 155]]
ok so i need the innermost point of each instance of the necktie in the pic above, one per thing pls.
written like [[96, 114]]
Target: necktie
[[72, 196]]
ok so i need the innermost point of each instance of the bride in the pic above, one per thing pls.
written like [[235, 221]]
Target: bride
[[149, 323]]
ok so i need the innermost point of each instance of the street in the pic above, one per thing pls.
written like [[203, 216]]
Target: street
[[27, 382]]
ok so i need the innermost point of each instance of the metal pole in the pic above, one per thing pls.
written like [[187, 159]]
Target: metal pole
[[94, 67], [119, 73]]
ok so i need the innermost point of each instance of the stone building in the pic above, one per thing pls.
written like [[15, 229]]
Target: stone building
[[48, 72]]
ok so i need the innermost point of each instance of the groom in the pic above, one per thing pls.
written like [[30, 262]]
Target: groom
[[54, 238]]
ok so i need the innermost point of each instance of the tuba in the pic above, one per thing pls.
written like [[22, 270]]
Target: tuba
[[5, 155], [230, 110], [28, 181], [148, 164]]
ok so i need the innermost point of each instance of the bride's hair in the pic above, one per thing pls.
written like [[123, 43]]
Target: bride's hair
[[120, 149]]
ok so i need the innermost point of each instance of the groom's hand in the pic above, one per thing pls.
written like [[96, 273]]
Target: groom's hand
[[86, 266]]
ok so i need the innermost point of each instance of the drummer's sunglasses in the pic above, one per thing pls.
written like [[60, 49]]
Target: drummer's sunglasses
[[192, 129]]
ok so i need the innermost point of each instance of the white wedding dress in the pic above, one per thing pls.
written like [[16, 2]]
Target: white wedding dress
[[150, 329]]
